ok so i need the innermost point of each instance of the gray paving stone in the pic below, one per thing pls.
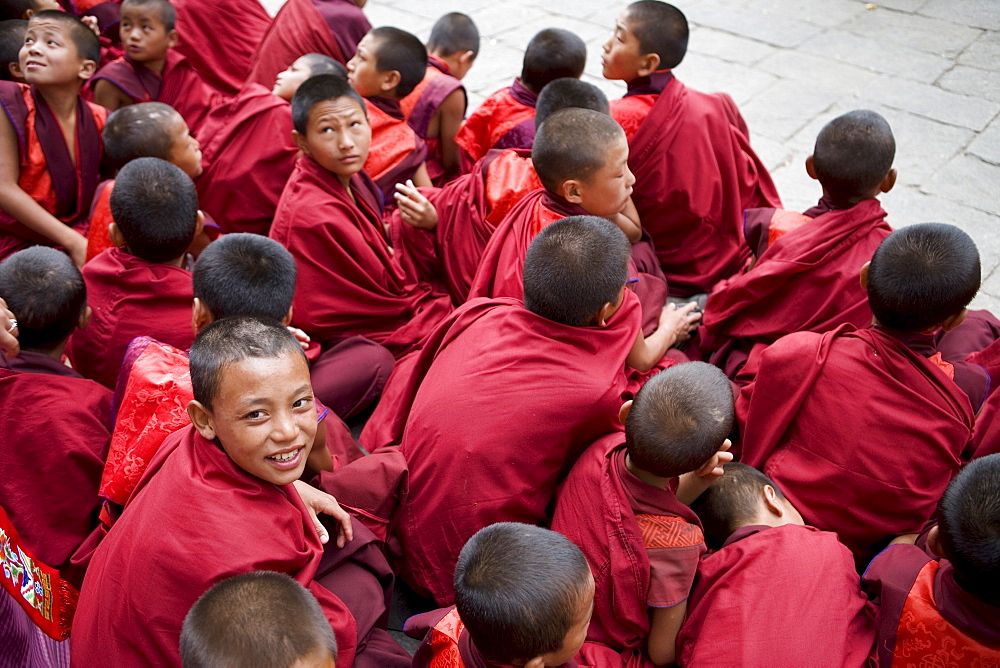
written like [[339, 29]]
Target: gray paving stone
[[972, 81], [502, 17], [987, 144], [711, 74], [399, 18], [798, 191], [434, 9], [968, 180], [979, 13], [815, 70], [729, 47], [495, 67], [585, 30], [937, 36], [773, 153], [989, 292], [827, 14], [984, 52], [782, 109], [753, 23], [902, 5], [877, 55], [932, 102]]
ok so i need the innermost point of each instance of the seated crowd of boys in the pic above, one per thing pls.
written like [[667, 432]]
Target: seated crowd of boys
[[619, 407]]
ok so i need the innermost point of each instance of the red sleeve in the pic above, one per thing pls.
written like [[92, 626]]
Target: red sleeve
[[674, 547]]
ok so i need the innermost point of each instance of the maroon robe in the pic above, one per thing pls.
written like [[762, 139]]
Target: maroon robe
[[786, 595], [472, 412], [130, 297], [330, 27], [695, 175], [248, 155], [423, 102], [859, 431], [505, 119], [806, 280], [349, 283]]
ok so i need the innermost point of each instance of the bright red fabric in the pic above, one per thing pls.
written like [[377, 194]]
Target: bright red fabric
[[498, 115], [396, 152]]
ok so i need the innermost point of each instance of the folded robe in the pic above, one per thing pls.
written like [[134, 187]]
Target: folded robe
[[496, 407], [506, 119], [396, 151]]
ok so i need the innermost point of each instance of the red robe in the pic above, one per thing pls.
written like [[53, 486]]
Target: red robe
[[777, 596], [47, 173], [205, 26], [130, 297], [805, 280], [248, 155], [505, 119], [396, 151], [615, 518], [423, 102], [180, 86], [98, 238], [472, 411], [330, 27], [349, 283], [695, 175], [860, 432]]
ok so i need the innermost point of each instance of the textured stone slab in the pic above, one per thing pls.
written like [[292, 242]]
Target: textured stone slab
[[773, 29], [984, 52], [877, 55], [970, 181], [711, 74], [819, 71], [978, 13], [923, 33], [729, 47], [972, 81], [932, 102], [784, 108], [987, 145], [826, 13]]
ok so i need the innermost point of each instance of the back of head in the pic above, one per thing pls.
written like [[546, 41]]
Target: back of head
[[574, 267], [318, 89], [517, 590], [231, 340], [15, 9], [245, 274], [853, 153], [573, 144], [155, 206], [403, 52], [552, 54], [660, 28], [969, 525], [168, 15], [568, 93], [88, 46], [454, 33], [261, 619], [139, 131], [679, 419], [45, 290], [11, 39], [321, 64], [922, 275], [732, 502]]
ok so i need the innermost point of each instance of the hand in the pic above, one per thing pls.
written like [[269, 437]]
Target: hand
[[76, 248], [317, 501], [91, 22], [300, 336], [712, 470], [8, 335], [414, 208], [681, 321]]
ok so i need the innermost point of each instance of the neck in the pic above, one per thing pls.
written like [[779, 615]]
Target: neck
[[61, 99], [54, 353], [645, 476], [156, 65], [451, 61]]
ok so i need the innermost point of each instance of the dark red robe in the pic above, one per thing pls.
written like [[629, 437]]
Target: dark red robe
[[505, 119], [859, 431], [478, 405], [47, 173], [130, 297], [349, 283], [695, 175], [330, 27], [771, 596], [806, 280], [423, 102], [248, 154], [396, 151]]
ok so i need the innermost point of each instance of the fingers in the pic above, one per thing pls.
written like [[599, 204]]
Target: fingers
[[324, 535], [8, 331]]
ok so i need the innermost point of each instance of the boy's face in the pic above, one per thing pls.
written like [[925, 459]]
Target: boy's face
[[143, 33], [622, 57], [265, 417], [184, 149], [49, 55], [362, 70], [289, 81], [577, 633], [607, 190], [337, 136]]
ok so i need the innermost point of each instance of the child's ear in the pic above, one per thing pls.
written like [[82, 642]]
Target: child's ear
[[955, 320], [773, 503], [624, 411], [87, 69], [537, 662], [863, 277], [570, 191], [201, 317], [85, 316], [15, 71], [649, 63], [602, 317], [201, 223], [811, 168], [934, 541], [888, 182], [202, 419], [287, 320], [390, 80], [300, 141], [116, 236], [172, 38]]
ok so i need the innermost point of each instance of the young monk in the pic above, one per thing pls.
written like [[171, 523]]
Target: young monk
[[523, 597], [330, 27], [695, 170], [386, 68], [436, 108], [48, 177], [140, 287], [233, 624], [254, 420], [11, 40], [808, 609], [827, 411], [504, 119], [470, 464], [945, 602], [248, 151], [151, 70], [625, 503], [805, 274], [329, 218]]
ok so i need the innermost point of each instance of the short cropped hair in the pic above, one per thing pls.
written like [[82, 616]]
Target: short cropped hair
[[679, 419], [921, 275], [139, 131], [454, 33], [853, 153], [518, 588], [660, 28], [731, 502], [573, 144], [245, 274], [15, 9], [11, 40], [321, 64], [232, 340], [569, 93], [46, 292], [155, 206], [552, 54], [403, 52], [574, 267], [88, 46], [969, 526], [318, 89], [262, 619], [168, 15]]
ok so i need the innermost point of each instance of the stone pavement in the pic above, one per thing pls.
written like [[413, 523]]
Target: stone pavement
[[931, 67]]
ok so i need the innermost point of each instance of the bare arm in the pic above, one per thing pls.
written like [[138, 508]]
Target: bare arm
[[664, 624], [691, 484], [675, 326], [110, 96], [421, 179], [628, 222], [452, 112]]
